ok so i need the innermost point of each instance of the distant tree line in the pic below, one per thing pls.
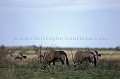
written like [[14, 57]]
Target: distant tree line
[[34, 47]]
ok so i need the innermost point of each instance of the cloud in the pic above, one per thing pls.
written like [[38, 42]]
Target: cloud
[[69, 5]]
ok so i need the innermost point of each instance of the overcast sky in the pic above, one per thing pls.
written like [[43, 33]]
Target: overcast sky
[[66, 23]]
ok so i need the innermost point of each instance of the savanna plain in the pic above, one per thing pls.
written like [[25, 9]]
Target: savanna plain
[[108, 65]]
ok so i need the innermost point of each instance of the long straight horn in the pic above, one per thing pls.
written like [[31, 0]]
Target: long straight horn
[[44, 55], [72, 54], [40, 52], [51, 47], [46, 49], [54, 47], [86, 48], [40, 47]]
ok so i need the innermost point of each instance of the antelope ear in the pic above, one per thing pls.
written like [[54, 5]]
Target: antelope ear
[[99, 55], [96, 51]]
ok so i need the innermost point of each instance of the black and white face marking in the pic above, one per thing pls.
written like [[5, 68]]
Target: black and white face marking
[[97, 55]]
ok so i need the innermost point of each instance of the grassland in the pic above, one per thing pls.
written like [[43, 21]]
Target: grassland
[[108, 67]]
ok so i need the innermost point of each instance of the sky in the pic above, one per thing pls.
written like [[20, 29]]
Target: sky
[[64, 23]]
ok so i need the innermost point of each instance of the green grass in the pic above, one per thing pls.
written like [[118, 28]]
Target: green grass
[[104, 70], [30, 69]]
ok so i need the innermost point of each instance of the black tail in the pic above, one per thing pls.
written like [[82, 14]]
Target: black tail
[[23, 56], [67, 62], [95, 61]]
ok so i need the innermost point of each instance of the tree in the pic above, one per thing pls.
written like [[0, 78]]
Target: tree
[[117, 48]]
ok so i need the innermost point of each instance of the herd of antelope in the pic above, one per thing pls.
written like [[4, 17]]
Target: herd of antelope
[[51, 56]]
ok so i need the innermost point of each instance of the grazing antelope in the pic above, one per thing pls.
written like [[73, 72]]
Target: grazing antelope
[[81, 56], [17, 55], [42, 54], [52, 56]]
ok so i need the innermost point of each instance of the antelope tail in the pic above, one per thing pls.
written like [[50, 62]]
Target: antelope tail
[[67, 62], [95, 61], [72, 55], [23, 56]]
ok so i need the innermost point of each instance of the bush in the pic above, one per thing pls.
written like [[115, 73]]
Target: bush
[[3, 56], [3, 53], [117, 48]]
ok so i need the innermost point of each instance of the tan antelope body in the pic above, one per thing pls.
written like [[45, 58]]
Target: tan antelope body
[[17, 55], [52, 56], [41, 54], [81, 56]]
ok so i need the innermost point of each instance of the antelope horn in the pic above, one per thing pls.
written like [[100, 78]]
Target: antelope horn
[[86, 48], [72, 54], [51, 47], [89, 49], [40, 47], [54, 47], [46, 49]]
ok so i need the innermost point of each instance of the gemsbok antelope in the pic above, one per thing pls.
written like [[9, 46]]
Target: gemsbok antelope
[[41, 54], [81, 56], [52, 56], [17, 55]]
